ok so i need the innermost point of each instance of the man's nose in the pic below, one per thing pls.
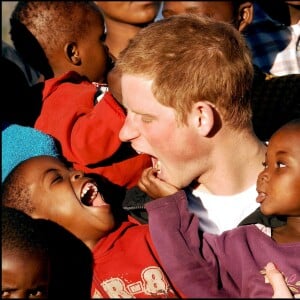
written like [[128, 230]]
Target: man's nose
[[129, 130]]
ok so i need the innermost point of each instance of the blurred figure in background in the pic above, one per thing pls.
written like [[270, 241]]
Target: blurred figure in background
[[123, 19], [274, 37]]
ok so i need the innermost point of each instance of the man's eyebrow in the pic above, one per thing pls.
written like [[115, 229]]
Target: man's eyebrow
[[147, 115]]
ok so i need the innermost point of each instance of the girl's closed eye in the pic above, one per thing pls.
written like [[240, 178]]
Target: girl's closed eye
[[264, 163], [57, 178]]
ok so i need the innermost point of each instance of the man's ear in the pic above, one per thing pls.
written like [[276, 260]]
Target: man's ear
[[245, 15], [203, 117], [72, 53]]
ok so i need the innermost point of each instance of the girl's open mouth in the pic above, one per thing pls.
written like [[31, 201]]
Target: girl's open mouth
[[90, 196]]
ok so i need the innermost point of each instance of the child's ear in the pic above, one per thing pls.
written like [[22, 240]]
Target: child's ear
[[203, 117], [245, 15], [72, 53]]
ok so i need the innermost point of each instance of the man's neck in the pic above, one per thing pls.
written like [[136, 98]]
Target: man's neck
[[234, 166]]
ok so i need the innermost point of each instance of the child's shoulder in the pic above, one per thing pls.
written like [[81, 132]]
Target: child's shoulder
[[71, 76], [70, 82]]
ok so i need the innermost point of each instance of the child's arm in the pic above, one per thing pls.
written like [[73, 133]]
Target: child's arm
[[153, 186], [174, 231]]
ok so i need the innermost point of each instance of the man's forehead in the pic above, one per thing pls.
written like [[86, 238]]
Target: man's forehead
[[127, 77], [134, 86]]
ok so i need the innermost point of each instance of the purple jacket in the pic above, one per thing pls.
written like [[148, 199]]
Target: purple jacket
[[227, 265]]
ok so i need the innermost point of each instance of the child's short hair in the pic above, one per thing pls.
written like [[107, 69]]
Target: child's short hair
[[21, 233], [39, 28], [15, 193], [293, 122]]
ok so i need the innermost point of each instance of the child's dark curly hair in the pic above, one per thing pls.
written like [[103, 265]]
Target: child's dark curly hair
[[21, 233]]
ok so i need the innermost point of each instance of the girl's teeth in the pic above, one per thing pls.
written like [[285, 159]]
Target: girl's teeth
[[87, 187]]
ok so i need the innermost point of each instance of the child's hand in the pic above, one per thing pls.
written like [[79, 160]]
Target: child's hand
[[277, 281], [153, 186]]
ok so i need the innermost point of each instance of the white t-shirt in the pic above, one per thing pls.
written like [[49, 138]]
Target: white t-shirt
[[219, 213]]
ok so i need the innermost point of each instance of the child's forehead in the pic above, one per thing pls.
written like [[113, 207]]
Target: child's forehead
[[285, 140], [42, 163], [287, 132]]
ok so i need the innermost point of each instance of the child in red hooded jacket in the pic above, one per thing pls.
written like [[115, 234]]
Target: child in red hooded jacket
[[78, 109]]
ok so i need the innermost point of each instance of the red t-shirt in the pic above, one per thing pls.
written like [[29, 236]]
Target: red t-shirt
[[126, 265]]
